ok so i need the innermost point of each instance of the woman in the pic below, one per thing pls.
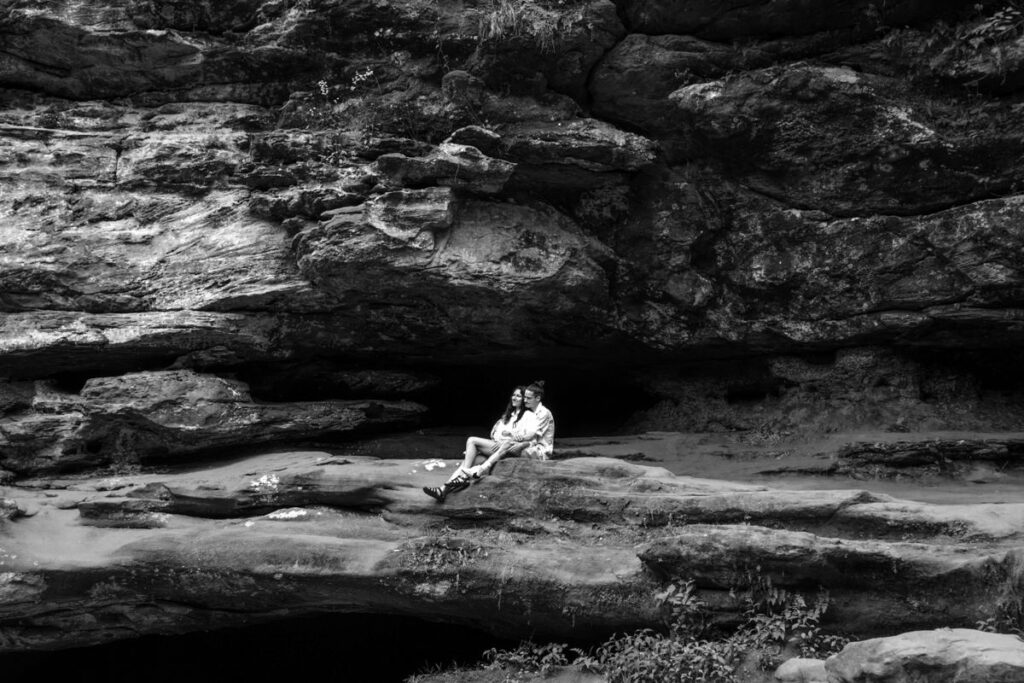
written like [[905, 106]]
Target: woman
[[512, 432]]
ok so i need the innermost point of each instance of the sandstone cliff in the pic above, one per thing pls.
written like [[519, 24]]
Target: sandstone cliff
[[238, 227]]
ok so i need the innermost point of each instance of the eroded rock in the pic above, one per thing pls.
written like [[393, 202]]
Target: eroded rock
[[907, 584], [139, 417], [105, 54], [450, 165], [573, 155], [946, 655], [561, 549], [462, 250], [801, 670], [779, 127]]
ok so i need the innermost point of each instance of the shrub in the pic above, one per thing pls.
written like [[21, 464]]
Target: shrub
[[986, 34], [529, 656], [527, 20], [779, 620], [650, 657], [687, 616], [775, 621], [1008, 616]]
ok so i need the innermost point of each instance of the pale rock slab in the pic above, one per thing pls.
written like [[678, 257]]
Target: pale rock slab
[[945, 655]]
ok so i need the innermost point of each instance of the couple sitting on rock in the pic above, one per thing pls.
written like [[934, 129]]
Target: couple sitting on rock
[[526, 428]]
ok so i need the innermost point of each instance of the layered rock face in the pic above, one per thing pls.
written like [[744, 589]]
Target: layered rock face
[[268, 177], [249, 225], [571, 549]]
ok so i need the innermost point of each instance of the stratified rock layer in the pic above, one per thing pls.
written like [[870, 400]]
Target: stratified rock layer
[[169, 415], [161, 164], [571, 549]]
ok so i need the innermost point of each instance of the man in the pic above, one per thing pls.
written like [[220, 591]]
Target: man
[[543, 444]]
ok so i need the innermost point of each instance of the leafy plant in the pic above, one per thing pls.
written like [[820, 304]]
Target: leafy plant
[[785, 621], [530, 657], [687, 612], [648, 656], [942, 44], [778, 620], [775, 621], [1005, 24], [1009, 608]]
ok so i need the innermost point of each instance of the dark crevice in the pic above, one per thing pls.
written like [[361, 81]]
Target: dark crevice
[[69, 383], [344, 647], [49, 69], [937, 208]]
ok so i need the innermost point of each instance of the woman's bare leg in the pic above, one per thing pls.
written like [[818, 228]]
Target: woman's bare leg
[[473, 445]]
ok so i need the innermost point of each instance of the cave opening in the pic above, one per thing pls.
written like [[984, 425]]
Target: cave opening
[[593, 402], [468, 398], [347, 647]]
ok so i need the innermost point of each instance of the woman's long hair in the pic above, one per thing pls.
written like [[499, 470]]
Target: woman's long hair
[[510, 409]]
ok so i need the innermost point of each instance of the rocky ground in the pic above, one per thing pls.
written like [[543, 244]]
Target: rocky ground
[[575, 548]]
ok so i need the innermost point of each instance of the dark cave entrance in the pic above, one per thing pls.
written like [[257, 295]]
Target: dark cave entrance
[[590, 401], [585, 402], [608, 396], [342, 647]]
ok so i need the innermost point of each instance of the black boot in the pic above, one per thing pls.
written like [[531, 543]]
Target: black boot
[[438, 493], [456, 485]]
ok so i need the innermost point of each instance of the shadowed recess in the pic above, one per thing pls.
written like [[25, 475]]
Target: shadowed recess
[[348, 647]]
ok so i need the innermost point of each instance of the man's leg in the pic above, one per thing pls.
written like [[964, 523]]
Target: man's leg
[[536, 452]]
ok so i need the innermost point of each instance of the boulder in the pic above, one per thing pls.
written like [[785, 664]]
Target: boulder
[[586, 144], [9, 509], [801, 670], [573, 155], [449, 165], [947, 655], [632, 82]]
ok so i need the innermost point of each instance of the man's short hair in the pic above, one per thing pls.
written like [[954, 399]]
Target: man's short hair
[[537, 388]]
